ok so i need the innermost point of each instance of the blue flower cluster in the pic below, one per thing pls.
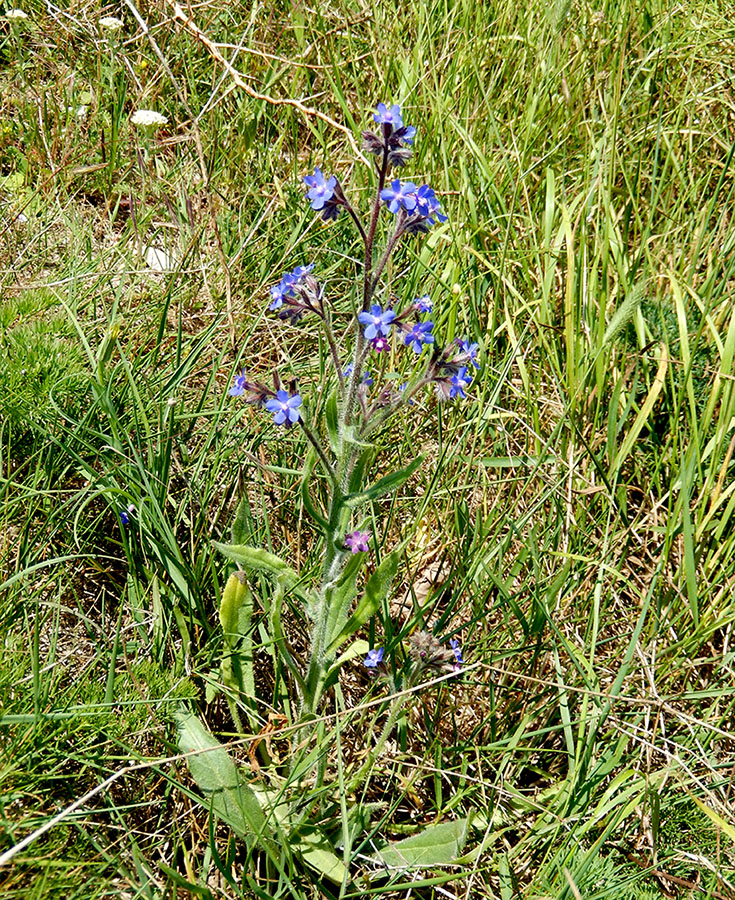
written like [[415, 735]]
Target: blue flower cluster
[[288, 285], [420, 207], [416, 208], [395, 139]]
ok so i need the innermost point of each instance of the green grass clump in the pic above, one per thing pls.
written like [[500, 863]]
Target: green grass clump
[[42, 369]]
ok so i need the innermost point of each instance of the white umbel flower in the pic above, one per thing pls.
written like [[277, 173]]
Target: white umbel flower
[[148, 118], [15, 14], [111, 23]]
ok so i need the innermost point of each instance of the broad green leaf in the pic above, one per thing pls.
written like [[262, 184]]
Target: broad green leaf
[[236, 608], [436, 845], [386, 485], [376, 590], [216, 775], [243, 523], [339, 597], [361, 466], [312, 845]]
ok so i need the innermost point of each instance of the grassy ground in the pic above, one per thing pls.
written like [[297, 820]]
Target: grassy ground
[[572, 524]]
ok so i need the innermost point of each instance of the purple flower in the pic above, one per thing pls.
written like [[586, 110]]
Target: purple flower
[[389, 115], [379, 344], [284, 408], [374, 658], [321, 190], [357, 541], [251, 391], [454, 644], [376, 322], [367, 379], [124, 517], [419, 335], [459, 382], [348, 370], [423, 304], [408, 134], [399, 196]]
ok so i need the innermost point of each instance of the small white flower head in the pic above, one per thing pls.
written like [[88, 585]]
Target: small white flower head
[[81, 112], [15, 14], [148, 118], [111, 23]]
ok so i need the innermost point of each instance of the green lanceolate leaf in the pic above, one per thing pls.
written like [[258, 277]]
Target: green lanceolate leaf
[[436, 845], [376, 590], [216, 775], [235, 614], [354, 651], [386, 485], [256, 559], [243, 523], [236, 608]]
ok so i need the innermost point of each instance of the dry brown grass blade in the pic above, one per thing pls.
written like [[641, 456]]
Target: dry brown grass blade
[[308, 112]]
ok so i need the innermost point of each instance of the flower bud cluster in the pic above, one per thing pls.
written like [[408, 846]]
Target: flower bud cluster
[[425, 652], [296, 294]]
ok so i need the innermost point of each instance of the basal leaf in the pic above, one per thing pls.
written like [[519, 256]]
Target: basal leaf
[[436, 845], [312, 845], [216, 775]]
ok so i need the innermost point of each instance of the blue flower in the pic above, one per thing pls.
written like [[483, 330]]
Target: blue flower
[[283, 289], [385, 115], [423, 304], [409, 133], [286, 287], [284, 408], [348, 370], [470, 350], [428, 206], [376, 322], [367, 379], [124, 517], [459, 382], [238, 388], [419, 335], [321, 190], [374, 658], [399, 195], [454, 644]]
